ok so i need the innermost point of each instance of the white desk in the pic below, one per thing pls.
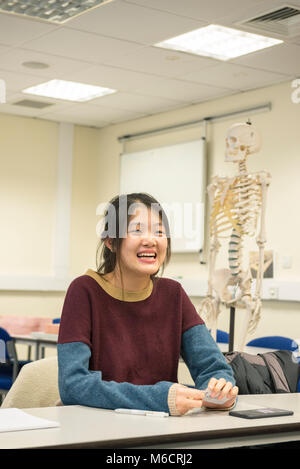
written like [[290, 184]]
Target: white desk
[[38, 340], [85, 427]]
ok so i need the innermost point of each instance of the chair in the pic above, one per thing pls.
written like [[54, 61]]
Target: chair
[[275, 342], [35, 386], [56, 321], [222, 337], [9, 363]]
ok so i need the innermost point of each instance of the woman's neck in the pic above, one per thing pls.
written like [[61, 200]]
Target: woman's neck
[[130, 283]]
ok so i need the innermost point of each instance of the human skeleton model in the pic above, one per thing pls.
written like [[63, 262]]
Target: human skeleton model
[[238, 206]]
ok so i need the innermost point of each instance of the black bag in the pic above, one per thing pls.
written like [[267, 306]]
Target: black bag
[[264, 373]]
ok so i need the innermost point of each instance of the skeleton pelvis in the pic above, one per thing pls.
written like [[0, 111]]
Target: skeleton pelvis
[[231, 289]]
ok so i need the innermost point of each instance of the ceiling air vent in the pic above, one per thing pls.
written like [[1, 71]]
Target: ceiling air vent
[[284, 21], [32, 104]]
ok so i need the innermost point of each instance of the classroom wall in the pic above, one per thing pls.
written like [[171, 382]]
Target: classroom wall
[[29, 151], [28, 146]]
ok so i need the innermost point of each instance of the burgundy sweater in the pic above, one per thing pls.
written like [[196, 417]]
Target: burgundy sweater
[[130, 341]]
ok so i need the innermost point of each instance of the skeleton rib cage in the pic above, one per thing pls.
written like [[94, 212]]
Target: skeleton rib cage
[[235, 213], [236, 206]]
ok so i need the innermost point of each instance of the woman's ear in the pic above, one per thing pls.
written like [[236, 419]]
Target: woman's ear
[[108, 244]]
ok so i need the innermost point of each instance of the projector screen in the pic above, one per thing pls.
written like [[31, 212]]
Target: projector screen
[[176, 176]]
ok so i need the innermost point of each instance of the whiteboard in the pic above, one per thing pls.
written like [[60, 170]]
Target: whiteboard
[[176, 176]]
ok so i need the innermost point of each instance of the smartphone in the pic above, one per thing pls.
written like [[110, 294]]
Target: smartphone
[[260, 413]]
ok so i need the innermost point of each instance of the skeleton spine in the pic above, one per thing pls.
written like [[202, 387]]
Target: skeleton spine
[[234, 252]]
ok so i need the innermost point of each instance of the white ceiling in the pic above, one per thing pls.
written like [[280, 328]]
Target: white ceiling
[[112, 46]]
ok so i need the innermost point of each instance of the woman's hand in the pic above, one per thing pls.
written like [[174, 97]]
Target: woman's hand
[[187, 399], [220, 389]]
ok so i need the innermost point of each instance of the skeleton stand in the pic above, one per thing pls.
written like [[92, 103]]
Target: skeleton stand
[[231, 328]]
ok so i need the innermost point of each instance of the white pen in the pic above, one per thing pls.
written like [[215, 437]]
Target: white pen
[[147, 413]]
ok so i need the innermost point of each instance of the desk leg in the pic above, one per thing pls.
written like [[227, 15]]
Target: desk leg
[[37, 350]]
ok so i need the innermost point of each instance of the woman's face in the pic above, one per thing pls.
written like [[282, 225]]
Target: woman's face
[[144, 249]]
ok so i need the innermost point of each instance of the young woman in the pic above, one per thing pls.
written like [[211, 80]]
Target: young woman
[[123, 328]]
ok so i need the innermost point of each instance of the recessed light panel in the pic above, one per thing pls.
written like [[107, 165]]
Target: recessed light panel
[[68, 90], [56, 11], [218, 42]]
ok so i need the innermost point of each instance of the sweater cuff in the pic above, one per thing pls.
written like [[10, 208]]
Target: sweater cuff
[[172, 399]]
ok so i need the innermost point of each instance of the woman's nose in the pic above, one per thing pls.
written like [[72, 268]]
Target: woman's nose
[[149, 238]]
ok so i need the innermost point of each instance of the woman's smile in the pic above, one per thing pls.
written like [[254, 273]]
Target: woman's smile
[[147, 256]]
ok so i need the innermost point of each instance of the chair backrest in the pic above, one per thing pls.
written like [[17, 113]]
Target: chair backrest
[[8, 352], [222, 337], [36, 385], [5, 338], [274, 342]]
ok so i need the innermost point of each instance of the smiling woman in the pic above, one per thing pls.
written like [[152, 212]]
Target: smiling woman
[[123, 328], [135, 241]]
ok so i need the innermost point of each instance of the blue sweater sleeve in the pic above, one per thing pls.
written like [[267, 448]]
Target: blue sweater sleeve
[[203, 357], [79, 385]]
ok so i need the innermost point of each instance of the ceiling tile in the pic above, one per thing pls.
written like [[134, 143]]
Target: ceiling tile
[[161, 62], [91, 115], [113, 77], [235, 77], [137, 103], [13, 59], [15, 30], [17, 81], [280, 59], [133, 23], [4, 49], [81, 45], [11, 108], [184, 91], [198, 9]]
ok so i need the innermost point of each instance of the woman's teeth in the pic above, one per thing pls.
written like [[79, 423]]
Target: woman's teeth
[[146, 255]]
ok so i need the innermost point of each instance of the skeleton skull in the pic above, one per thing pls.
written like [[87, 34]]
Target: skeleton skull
[[241, 141]]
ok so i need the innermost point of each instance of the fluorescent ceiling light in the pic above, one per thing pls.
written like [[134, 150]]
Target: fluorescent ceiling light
[[68, 90], [55, 11], [218, 42]]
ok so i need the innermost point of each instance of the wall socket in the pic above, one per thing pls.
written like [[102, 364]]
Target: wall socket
[[273, 292], [286, 262]]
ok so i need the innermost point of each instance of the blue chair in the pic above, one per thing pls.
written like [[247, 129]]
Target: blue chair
[[222, 337], [9, 363], [275, 342], [56, 321]]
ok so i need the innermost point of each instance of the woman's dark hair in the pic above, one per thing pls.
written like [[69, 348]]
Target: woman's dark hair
[[117, 216]]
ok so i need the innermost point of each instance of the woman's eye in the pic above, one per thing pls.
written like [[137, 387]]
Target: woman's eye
[[135, 230]]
